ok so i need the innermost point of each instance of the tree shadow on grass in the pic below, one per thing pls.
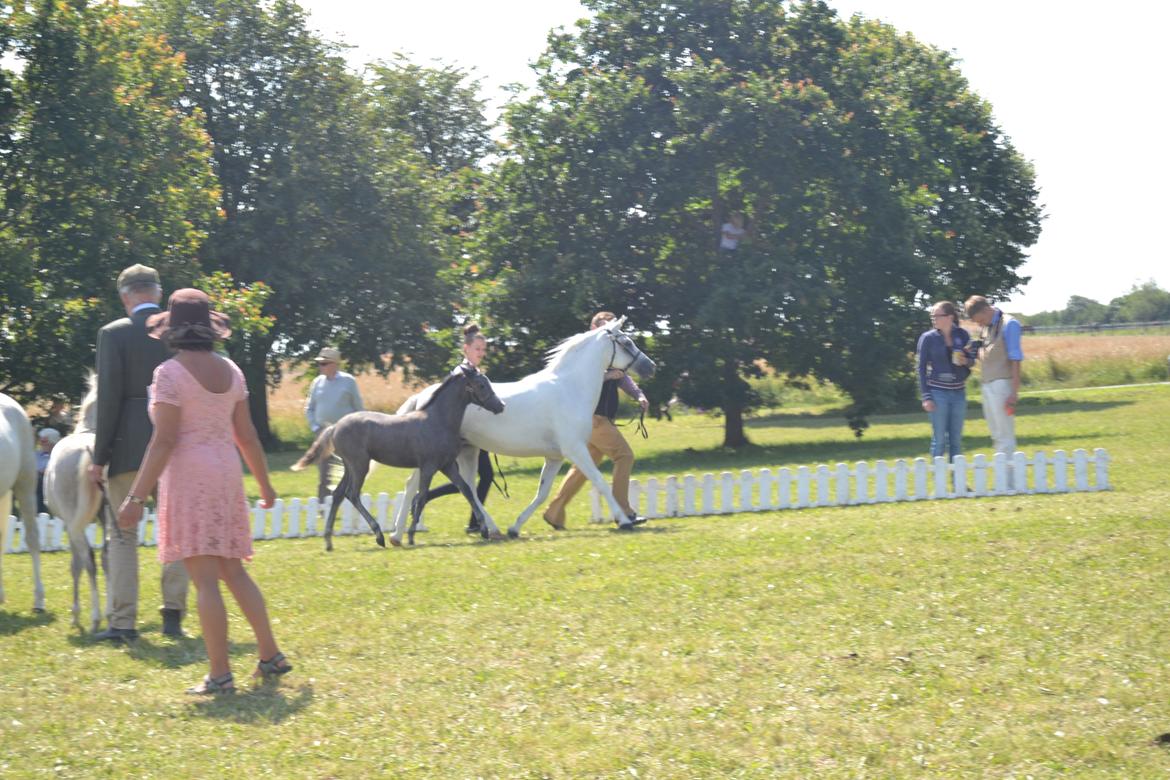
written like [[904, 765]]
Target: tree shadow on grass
[[266, 703], [15, 622]]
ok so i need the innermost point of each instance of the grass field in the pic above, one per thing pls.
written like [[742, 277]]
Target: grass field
[[1009, 637]]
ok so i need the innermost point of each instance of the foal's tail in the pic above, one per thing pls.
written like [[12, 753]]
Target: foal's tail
[[321, 449]]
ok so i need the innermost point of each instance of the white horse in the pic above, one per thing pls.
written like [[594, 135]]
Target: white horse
[[74, 498], [18, 477], [547, 414]]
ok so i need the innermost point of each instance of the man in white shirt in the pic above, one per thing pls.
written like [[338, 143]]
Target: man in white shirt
[[333, 394]]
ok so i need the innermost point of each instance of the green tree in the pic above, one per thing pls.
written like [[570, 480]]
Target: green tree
[[104, 171], [1144, 303], [872, 178], [343, 221]]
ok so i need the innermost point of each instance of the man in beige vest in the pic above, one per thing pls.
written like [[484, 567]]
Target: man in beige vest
[[126, 359], [1000, 358]]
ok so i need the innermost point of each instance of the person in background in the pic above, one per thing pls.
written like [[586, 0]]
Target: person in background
[[126, 359], [332, 395], [606, 440], [942, 379], [732, 232], [474, 350], [1000, 357], [47, 438], [199, 404], [59, 417]]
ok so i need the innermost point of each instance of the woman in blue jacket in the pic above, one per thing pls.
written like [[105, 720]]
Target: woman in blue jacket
[[943, 368]]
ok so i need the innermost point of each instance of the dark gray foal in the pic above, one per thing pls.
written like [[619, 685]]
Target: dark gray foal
[[427, 439]]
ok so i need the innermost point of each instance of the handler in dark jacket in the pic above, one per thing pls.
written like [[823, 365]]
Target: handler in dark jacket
[[126, 359]]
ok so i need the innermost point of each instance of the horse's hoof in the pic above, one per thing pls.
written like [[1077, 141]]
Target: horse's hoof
[[484, 533], [513, 534], [395, 542], [381, 540], [39, 610]]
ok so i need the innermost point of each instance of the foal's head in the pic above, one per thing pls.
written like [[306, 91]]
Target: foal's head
[[480, 391]]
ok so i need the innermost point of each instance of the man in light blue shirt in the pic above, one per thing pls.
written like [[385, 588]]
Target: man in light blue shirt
[[1000, 358], [332, 395]]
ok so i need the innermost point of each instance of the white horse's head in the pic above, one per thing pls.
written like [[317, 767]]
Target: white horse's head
[[626, 354]]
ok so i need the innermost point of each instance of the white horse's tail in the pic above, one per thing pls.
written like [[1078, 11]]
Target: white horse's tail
[[322, 448]]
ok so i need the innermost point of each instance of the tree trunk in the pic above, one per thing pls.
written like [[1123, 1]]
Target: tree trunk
[[733, 434], [253, 361]]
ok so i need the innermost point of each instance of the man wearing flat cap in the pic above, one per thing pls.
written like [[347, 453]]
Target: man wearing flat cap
[[332, 395], [126, 359]]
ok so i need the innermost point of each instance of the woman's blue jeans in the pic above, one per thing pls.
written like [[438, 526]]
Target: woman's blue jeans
[[950, 409]]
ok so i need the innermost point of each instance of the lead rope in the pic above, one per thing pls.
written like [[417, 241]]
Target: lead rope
[[503, 490]]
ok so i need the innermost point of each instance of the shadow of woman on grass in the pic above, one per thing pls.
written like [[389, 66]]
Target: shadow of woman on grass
[[267, 702]]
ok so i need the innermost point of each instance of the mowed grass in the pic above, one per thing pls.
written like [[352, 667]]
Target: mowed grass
[[1008, 637]]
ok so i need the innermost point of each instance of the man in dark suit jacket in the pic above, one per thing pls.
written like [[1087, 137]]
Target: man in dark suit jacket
[[126, 359]]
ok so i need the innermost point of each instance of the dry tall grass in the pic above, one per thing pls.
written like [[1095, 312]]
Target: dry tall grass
[[379, 394]]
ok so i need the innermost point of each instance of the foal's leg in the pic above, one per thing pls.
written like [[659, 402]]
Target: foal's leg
[[357, 479], [425, 475], [578, 454], [338, 494], [400, 517], [548, 475], [451, 470]]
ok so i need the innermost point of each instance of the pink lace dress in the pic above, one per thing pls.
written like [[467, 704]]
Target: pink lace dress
[[202, 509]]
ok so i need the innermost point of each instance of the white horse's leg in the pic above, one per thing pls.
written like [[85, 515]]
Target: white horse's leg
[[26, 493], [578, 455], [95, 611], [407, 499], [5, 508], [548, 475], [77, 560], [468, 461]]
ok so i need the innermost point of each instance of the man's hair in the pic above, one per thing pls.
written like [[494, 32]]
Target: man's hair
[[141, 288], [602, 317], [976, 304]]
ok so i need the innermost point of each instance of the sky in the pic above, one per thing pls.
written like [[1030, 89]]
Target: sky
[[1075, 91]]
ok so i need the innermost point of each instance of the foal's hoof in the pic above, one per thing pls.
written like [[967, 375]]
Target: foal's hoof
[[483, 532], [513, 534], [395, 542], [381, 540], [496, 536], [410, 538]]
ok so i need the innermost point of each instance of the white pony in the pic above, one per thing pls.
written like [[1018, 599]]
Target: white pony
[[74, 498], [547, 414], [18, 476]]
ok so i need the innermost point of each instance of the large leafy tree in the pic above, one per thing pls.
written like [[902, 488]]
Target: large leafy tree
[[872, 179], [341, 220], [103, 170]]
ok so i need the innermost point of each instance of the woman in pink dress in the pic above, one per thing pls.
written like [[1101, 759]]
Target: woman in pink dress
[[199, 405]]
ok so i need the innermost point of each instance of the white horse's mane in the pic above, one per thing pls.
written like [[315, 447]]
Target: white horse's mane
[[555, 356], [85, 421]]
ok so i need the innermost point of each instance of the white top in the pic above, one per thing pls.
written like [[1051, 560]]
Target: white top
[[730, 236]]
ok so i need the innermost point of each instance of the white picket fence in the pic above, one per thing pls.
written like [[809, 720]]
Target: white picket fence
[[866, 483], [286, 519], [752, 491]]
